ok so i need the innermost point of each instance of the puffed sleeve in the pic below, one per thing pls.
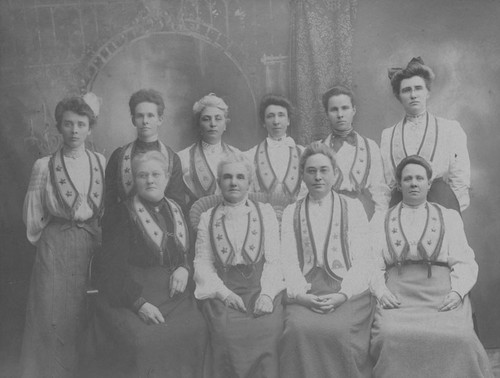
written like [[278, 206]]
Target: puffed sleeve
[[461, 259], [459, 169], [208, 283], [377, 235], [294, 279], [376, 184], [356, 279], [35, 212], [272, 276]]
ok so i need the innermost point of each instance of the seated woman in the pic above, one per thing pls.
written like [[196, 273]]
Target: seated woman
[[199, 161], [277, 157], [149, 310], [423, 321], [238, 277], [326, 264]]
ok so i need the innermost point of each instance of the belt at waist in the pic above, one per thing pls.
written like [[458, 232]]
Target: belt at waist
[[429, 264], [89, 225]]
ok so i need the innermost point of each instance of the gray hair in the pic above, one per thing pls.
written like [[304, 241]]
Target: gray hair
[[209, 100], [236, 157]]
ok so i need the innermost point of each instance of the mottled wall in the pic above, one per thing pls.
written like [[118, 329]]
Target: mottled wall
[[459, 40]]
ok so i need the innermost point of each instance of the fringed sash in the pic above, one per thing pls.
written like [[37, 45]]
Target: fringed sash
[[156, 237], [65, 189], [429, 245], [266, 175], [253, 246], [336, 256], [428, 145], [125, 167]]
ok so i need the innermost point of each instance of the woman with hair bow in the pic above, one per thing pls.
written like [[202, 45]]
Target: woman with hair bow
[[61, 212], [199, 160], [440, 141]]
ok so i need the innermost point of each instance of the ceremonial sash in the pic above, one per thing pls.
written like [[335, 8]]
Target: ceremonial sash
[[266, 175], [156, 237], [360, 167], [126, 178], [66, 192], [204, 181], [429, 244], [253, 246], [336, 256], [428, 145]]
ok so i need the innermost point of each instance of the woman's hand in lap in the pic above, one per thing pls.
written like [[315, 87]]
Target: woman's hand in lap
[[263, 305], [150, 314], [389, 301], [178, 281], [235, 302], [330, 302], [310, 301], [450, 302]]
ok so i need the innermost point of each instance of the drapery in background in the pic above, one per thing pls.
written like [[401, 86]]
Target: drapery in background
[[320, 57]]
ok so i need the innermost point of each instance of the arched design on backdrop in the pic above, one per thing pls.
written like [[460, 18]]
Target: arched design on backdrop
[[184, 61]]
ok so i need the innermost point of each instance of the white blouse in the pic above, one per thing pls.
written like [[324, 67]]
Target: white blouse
[[208, 283], [455, 250], [451, 161], [41, 204], [375, 183], [357, 278]]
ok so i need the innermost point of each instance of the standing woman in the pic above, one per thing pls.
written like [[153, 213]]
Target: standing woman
[[277, 157], [61, 210], [440, 141], [199, 161]]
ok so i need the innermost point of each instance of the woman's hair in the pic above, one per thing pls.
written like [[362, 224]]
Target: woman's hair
[[153, 155], [146, 95], [337, 91], [273, 99], [414, 68], [313, 149], [412, 159], [236, 157], [76, 105], [209, 100]]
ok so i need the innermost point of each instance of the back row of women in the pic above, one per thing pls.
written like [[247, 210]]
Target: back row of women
[[318, 293]]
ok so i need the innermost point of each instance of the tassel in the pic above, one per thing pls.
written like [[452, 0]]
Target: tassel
[[429, 269], [399, 267]]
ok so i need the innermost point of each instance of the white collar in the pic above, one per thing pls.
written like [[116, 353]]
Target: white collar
[[284, 141], [211, 148]]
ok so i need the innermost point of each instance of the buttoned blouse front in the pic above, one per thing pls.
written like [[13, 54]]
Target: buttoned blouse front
[[208, 282]]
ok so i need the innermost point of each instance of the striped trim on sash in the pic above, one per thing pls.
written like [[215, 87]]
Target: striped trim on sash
[[253, 246], [266, 175], [336, 257], [67, 194]]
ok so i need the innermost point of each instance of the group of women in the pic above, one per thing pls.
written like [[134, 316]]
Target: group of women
[[323, 293]]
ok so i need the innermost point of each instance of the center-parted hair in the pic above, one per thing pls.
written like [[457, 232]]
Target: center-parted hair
[[209, 100], [146, 95], [337, 91], [273, 99], [236, 157], [412, 159], [313, 149]]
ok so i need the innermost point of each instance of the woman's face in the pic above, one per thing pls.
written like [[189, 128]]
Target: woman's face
[[413, 95], [340, 112], [276, 121], [74, 129], [414, 184], [212, 124], [150, 180], [147, 121], [234, 182], [319, 175]]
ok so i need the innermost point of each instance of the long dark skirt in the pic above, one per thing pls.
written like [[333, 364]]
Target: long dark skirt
[[242, 345], [174, 349], [55, 315], [327, 345], [416, 340]]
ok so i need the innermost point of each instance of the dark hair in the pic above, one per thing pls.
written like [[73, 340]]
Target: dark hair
[[413, 69], [76, 105], [314, 148], [413, 159], [273, 99], [337, 91], [146, 95]]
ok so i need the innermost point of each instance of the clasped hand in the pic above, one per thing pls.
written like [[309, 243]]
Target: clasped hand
[[263, 304], [321, 304]]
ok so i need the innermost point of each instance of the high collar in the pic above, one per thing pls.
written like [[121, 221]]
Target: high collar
[[284, 141], [211, 148]]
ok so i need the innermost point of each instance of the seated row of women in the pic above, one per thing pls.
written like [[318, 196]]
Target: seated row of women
[[238, 268]]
